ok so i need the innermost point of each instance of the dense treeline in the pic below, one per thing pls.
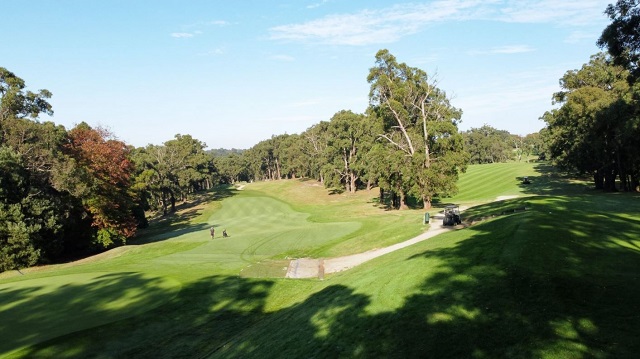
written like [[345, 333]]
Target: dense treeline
[[490, 145], [596, 129], [60, 191], [407, 143], [67, 193]]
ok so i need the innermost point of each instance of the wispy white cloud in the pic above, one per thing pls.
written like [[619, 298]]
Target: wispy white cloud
[[220, 23], [512, 49], [182, 35], [367, 26], [317, 4], [579, 36], [566, 12], [387, 25]]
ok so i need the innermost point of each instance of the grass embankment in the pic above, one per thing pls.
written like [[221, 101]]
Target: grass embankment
[[559, 279]]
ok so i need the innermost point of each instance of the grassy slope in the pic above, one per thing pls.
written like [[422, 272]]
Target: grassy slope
[[559, 279]]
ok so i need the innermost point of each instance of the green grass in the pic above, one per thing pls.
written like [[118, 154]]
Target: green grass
[[560, 279], [482, 183]]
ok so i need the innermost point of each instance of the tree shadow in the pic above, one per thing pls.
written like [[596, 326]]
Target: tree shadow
[[549, 181], [202, 318], [34, 312], [561, 287]]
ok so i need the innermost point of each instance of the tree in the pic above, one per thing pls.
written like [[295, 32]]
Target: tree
[[193, 166], [102, 171], [17, 248], [622, 37], [173, 170], [535, 144], [488, 145], [16, 103], [595, 130], [232, 167], [420, 123], [348, 136], [318, 139]]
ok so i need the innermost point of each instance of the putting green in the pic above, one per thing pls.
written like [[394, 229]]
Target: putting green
[[260, 228], [36, 310]]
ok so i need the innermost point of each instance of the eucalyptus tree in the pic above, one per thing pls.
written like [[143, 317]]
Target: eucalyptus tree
[[315, 149], [18, 103], [535, 143], [262, 161], [487, 144], [349, 138], [291, 150], [419, 122], [232, 167], [595, 130], [622, 37], [171, 171], [192, 165]]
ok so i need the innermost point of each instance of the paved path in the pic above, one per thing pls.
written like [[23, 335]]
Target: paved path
[[317, 268]]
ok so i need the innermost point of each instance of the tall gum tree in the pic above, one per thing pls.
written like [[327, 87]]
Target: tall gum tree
[[594, 131], [420, 122], [349, 138]]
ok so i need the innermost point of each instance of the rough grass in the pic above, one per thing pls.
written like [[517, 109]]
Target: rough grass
[[559, 279]]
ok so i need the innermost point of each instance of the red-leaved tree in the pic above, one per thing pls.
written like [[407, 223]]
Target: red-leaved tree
[[101, 177]]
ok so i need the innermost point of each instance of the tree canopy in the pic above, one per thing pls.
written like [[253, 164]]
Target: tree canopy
[[420, 123], [622, 37], [595, 130]]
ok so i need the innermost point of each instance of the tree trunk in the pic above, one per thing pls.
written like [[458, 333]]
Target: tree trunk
[[278, 169], [173, 201], [598, 179], [635, 183], [353, 178], [403, 201], [164, 203], [610, 180], [426, 202]]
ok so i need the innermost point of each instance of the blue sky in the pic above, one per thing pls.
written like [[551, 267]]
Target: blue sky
[[233, 73]]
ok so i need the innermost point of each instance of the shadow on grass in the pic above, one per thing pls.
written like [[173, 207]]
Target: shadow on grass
[[550, 181], [35, 310], [535, 284]]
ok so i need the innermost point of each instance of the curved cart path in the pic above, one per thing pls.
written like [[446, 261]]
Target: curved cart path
[[317, 268]]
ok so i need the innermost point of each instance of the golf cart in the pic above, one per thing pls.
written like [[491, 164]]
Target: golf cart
[[525, 180], [451, 215]]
